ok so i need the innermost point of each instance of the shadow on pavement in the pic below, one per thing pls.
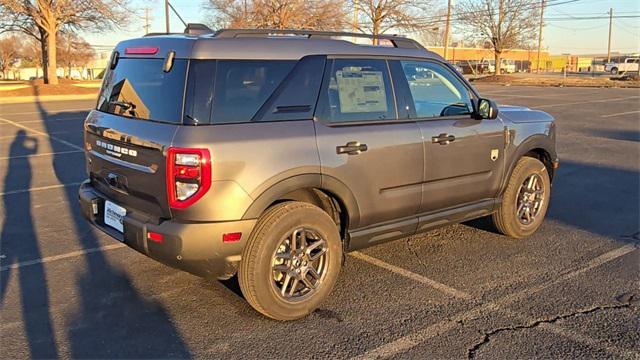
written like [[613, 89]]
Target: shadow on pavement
[[599, 199], [113, 319], [20, 243]]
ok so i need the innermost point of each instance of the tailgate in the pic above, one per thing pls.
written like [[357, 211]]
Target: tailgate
[[126, 161]]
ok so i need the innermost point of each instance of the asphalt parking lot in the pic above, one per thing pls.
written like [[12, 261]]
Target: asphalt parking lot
[[570, 291]]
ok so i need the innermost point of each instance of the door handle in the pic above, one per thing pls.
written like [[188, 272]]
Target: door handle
[[352, 148], [443, 139]]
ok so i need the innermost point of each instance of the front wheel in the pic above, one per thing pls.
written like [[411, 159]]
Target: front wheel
[[291, 261], [525, 200]]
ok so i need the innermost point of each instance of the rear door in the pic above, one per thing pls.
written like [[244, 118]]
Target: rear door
[[464, 157], [362, 143], [138, 112]]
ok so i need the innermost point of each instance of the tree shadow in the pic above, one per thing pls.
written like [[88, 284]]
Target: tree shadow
[[20, 243], [600, 199], [113, 319]]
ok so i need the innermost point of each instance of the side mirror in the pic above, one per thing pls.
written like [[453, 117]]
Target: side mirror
[[487, 109]]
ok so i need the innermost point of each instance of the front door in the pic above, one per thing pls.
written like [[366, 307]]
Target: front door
[[464, 156], [362, 143]]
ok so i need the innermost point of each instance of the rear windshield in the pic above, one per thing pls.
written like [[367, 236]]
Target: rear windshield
[[231, 91], [139, 88]]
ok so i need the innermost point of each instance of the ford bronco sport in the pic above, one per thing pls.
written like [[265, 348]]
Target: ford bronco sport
[[270, 153]]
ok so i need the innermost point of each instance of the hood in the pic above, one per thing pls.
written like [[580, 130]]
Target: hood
[[521, 114]]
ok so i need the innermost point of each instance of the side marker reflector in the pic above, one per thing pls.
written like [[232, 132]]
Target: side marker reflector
[[231, 237]]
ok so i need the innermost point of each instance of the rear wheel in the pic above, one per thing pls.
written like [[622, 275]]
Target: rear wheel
[[525, 200], [291, 261], [614, 71]]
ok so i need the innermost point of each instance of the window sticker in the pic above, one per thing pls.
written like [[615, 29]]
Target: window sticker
[[361, 91]]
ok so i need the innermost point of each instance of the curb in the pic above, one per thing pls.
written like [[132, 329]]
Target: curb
[[29, 99]]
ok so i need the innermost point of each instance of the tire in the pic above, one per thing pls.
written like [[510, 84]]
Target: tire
[[262, 284], [518, 203], [614, 71]]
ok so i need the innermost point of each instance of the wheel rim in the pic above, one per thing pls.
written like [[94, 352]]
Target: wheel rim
[[530, 199], [299, 264]]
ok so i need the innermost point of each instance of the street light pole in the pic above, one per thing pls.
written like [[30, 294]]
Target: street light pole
[[166, 16], [609, 42], [540, 34]]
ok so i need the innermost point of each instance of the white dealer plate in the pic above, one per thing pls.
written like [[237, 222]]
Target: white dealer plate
[[114, 215]]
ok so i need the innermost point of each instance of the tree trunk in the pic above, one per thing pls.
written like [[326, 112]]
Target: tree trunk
[[49, 57], [498, 60]]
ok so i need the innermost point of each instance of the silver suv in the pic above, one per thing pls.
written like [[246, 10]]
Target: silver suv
[[269, 154]]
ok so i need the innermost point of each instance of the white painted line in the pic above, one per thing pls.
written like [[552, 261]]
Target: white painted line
[[42, 121], [411, 275], [587, 102], [42, 154], [43, 134], [61, 257], [411, 340], [13, 192], [48, 111], [620, 114], [5, 137]]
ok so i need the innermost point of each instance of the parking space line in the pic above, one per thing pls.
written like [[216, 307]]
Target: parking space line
[[411, 275], [409, 341], [42, 154], [52, 111], [21, 191], [42, 133], [620, 114], [5, 137], [61, 256], [586, 102], [50, 120]]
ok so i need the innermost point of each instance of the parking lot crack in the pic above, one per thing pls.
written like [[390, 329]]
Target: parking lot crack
[[413, 251], [488, 335]]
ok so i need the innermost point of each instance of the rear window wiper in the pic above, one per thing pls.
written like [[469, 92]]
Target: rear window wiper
[[126, 105]]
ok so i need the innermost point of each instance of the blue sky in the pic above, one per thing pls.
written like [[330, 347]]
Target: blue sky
[[566, 36]]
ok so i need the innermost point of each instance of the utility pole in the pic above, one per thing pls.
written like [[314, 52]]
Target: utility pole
[[146, 20], [540, 33], [356, 15], [166, 16], [355, 23], [446, 30], [609, 42]]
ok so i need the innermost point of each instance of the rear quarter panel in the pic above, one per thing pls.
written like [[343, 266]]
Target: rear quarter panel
[[247, 159]]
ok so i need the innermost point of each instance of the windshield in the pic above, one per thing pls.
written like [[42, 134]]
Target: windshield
[[139, 88]]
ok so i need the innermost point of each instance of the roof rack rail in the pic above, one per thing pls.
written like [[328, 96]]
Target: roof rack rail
[[397, 40]]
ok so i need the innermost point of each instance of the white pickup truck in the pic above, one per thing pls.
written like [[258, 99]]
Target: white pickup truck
[[629, 65]]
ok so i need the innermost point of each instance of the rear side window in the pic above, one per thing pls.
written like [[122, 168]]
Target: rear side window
[[231, 91], [357, 90], [138, 88]]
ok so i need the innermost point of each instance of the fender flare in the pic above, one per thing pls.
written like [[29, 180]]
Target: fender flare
[[537, 141], [326, 183]]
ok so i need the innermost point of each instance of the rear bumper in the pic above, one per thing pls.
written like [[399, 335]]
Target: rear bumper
[[194, 247]]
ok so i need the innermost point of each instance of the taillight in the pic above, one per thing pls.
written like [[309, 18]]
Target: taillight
[[188, 176]]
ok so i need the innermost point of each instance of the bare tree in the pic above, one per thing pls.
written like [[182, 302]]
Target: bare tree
[[505, 24], [10, 53], [74, 51], [379, 16], [279, 14], [45, 19]]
